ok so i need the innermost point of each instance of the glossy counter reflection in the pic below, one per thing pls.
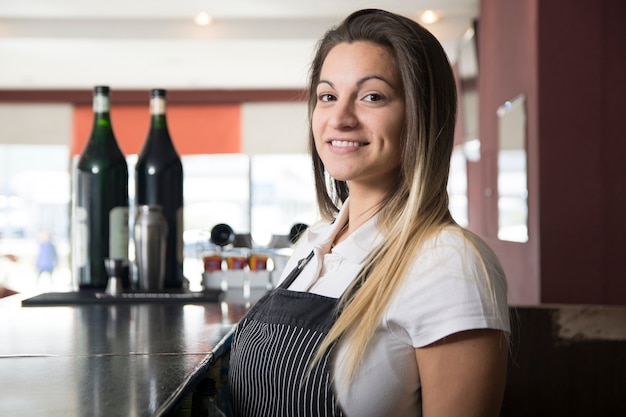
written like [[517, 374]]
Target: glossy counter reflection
[[105, 360]]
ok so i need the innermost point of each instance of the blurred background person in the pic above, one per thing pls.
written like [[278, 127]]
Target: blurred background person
[[47, 259]]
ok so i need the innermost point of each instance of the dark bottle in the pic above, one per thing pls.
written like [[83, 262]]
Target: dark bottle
[[159, 181], [101, 208]]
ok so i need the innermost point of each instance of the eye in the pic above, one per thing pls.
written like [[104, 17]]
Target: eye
[[373, 97], [325, 97]]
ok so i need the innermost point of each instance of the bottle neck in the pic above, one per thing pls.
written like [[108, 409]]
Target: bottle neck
[[157, 111], [101, 110]]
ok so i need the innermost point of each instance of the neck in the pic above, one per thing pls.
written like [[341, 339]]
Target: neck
[[360, 210], [364, 203], [341, 235]]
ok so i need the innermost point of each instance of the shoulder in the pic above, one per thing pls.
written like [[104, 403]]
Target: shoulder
[[455, 249], [455, 283]]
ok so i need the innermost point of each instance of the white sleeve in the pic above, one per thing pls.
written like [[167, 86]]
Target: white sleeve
[[447, 291]]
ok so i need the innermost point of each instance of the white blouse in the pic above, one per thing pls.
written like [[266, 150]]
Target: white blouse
[[445, 292]]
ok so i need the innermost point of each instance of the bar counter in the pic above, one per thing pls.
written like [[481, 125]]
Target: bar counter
[[131, 359]]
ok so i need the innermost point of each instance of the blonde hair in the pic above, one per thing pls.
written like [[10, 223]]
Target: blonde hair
[[417, 208]]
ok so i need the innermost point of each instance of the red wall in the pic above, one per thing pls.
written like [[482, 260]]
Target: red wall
[[582, 82], [194, 129], [507, 68], [568, 58]]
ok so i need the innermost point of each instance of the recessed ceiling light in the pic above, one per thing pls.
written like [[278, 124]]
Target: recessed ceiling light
[[429, 16], [203, 19]]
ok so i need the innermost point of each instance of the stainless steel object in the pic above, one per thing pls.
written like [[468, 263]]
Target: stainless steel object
[[114, 268], [150, 243]]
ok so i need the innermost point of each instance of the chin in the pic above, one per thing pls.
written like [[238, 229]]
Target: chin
[[339, 177]]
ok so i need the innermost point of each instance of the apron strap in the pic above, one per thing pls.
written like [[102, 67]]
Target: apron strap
[[295, 272]]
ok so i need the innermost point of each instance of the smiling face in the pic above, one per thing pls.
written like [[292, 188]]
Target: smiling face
[[359, 115]]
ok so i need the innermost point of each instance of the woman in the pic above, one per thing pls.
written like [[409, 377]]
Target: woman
[[387, 307]]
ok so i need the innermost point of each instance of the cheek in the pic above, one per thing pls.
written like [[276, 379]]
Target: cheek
[[316, 127], [393, 128], [399, 127], [398, 122]]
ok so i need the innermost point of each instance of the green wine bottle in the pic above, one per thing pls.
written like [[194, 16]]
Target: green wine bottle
[[101, 208], [159, 181]]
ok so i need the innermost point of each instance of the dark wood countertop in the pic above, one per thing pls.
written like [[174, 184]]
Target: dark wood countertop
[[106, 359]]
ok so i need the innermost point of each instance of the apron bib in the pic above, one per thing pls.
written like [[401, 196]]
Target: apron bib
[[271, 350]]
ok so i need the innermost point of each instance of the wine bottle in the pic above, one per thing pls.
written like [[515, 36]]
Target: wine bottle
[[159, 181], [101, 206]]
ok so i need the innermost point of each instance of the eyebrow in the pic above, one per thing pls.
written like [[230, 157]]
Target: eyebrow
[[360, 81]]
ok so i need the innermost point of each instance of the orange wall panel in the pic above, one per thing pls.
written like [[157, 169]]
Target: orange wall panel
[[195, 129]]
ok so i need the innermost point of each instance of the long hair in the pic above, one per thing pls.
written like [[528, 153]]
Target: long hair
[[417, 207]]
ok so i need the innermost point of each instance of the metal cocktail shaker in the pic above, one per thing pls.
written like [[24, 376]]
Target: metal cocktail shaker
[[150, 241]]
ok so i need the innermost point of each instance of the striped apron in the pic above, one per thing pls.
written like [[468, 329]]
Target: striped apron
[[271, 350]]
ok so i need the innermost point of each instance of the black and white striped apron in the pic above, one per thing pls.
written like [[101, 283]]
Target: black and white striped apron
[[271, 350]]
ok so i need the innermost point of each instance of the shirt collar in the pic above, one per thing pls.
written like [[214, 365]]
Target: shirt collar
[[356, 247]]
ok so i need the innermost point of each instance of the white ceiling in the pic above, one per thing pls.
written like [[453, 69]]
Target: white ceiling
[[154, 43]]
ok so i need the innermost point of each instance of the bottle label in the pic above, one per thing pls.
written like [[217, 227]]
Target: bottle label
[[100, 103], [118, 233], [179, 237], [157, 105], [80, 238]]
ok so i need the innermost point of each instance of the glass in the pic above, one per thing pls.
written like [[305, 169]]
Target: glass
[[282, 194], [512, 172]]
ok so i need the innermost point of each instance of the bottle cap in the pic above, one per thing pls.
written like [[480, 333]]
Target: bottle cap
[[158, 92], [101, 89]]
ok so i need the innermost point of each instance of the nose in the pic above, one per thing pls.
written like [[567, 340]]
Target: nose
[[343, 115]]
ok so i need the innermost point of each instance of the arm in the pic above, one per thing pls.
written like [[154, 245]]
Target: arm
[[464, 374]]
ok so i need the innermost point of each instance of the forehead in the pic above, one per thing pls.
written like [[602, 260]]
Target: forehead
[[360, 57]]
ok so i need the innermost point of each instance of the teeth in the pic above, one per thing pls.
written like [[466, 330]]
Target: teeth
[[345, 143]]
